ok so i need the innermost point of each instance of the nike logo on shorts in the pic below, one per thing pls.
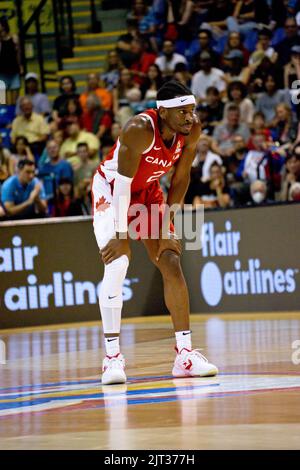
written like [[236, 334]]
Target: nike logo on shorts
[[157, 148], [184, 334], [112, 297]]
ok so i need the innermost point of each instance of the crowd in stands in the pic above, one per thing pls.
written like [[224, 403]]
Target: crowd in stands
[[240, 58]]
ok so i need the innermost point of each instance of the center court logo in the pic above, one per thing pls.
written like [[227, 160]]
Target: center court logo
[[248, 278]]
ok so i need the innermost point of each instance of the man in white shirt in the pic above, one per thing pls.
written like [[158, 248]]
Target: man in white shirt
[[168, 61], [206, 77]]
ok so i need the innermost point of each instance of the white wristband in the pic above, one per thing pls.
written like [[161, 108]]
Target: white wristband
[[121, 201]]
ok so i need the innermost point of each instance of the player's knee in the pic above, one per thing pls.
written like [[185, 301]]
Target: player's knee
[[119, 265], [169, 264]]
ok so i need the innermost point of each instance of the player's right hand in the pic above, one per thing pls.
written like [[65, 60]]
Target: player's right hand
[[114, 249]]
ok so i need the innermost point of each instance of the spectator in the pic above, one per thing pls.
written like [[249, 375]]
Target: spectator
[[294, 192], [204, 43], [6, 163], [9, 62], [30, 125], [84, 197], [169, 59], [138, 11], [206, 77], [21, 151], [182, 75], [203, 114], [186, 19], [126, 93], [96, 119], [23, 195], [235, 70], [284, 129], [65, 204], [83, 167], [237, 94], [261, 70], [56, 167], [58, 137], [152, 84], [142, 61], [215, 106], [245, 14], [124, 43], [258, 192], [252, 167], [292, 38], [75, 136], [67, 88], [258, 127], [270, 98], [93, 86], [235, 43], [264, 45], [224, 134], [39, 100], [70, 112], [205, 156], [214, 192], [292, 174], [292, 68], [112, 74]]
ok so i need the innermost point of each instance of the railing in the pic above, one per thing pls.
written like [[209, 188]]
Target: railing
[[63, 35], [96, 26]]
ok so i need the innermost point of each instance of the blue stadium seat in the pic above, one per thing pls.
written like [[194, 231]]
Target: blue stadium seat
[[7, 114], [250, 41], [5, 134], [278, 35]]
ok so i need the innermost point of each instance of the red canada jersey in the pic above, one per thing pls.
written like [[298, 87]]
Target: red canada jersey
[[155, 161]]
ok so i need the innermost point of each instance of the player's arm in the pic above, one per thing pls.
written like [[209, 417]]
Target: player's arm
[[178, 188], [181, 177], [136, 137]]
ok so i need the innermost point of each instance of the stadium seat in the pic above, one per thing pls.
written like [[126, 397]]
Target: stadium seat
[[5, 134], [7, 115]]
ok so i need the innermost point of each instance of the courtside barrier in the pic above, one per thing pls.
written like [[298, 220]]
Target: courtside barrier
[[50, 269]]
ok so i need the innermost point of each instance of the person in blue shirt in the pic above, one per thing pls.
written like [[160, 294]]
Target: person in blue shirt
[[23, 195], [55, 169]]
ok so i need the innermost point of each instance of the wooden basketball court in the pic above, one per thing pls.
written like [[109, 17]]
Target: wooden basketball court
[[51, 396]]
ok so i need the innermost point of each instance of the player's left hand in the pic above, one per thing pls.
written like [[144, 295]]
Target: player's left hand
[[114, 249], [172, 244]]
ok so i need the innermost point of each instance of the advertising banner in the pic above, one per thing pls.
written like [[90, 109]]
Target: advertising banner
[[249, 262], [50, 270], [50, 273]]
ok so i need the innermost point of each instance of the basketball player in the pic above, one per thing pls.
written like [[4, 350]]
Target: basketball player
[[149, 145]]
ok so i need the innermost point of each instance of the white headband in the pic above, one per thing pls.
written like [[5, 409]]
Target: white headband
[[176, 102]]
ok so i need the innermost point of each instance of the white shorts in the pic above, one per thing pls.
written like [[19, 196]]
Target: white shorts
[[104, 226]]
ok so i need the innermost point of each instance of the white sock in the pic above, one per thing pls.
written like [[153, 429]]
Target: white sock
[[112, 346], [183, 340]]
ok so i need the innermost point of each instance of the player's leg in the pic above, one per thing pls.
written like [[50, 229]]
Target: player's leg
[[188, 362], [110, 296]]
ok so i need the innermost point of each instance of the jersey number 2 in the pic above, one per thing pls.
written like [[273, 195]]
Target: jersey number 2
[[155, 175]]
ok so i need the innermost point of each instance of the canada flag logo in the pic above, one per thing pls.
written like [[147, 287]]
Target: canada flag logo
[[102, 204]]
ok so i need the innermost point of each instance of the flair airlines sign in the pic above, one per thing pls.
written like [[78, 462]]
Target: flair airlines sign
[[250, 261], [51, 273]]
